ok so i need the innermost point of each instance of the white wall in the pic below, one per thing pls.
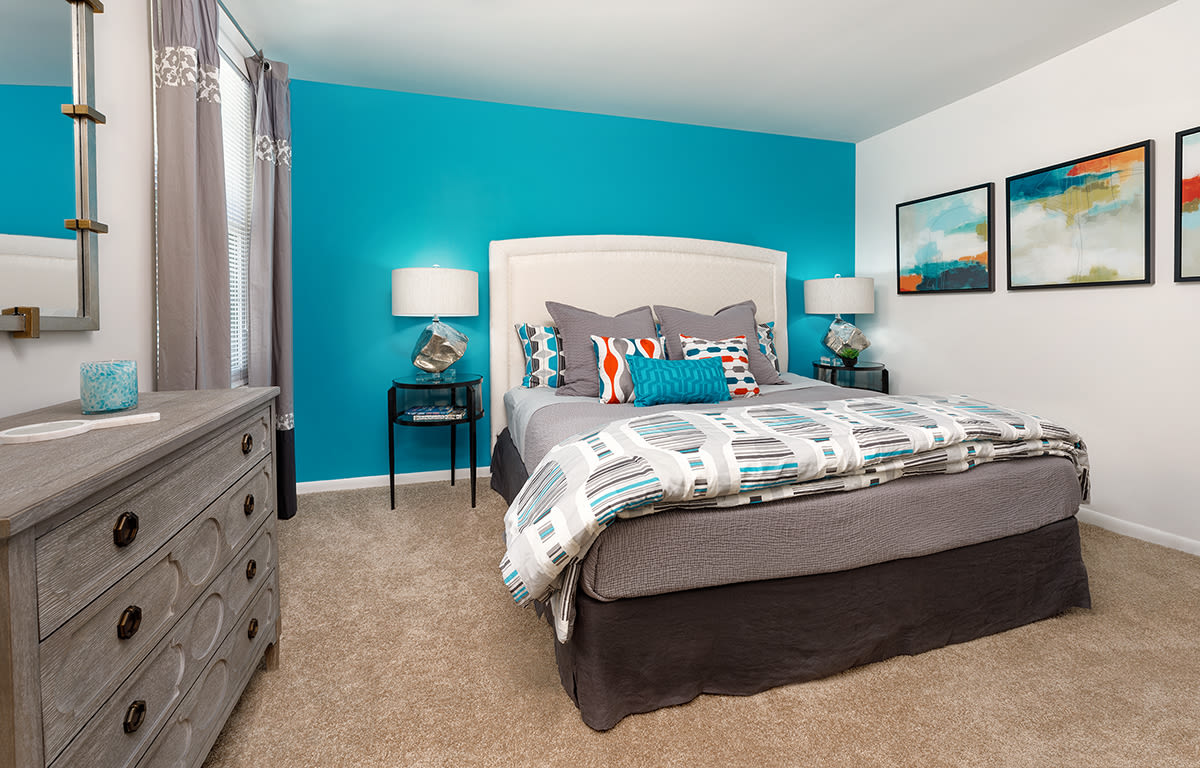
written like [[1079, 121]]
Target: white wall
[[39, 372], [1121, 365]]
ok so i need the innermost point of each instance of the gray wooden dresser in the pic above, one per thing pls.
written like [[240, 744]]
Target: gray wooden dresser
[[138, 581]]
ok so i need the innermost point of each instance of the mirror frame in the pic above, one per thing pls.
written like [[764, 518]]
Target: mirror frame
[[87, 228]]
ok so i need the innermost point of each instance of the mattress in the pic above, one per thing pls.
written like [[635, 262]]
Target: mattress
[[909, 517], [696, 548]]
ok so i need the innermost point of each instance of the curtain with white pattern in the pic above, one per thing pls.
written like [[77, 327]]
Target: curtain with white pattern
[[270, 303], [191, 251]]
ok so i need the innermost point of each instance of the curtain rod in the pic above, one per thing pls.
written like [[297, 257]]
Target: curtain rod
[[237, 26]]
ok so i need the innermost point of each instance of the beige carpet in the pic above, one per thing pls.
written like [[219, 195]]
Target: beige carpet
[[401, 648]]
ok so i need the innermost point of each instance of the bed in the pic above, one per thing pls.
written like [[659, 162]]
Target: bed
[[737, 600]]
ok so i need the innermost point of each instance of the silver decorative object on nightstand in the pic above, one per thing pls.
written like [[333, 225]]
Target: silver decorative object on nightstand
[[438, 347]]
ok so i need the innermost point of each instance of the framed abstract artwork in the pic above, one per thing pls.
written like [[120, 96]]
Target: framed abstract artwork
[[944, 242], [1083, 222], [1187, 205]]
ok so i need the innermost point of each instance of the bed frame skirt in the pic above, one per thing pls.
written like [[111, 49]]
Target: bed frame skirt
[[507, 470], [642, 654], [645, 653]]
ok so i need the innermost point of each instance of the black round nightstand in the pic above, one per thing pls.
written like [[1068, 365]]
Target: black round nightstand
[[468, 412], [863, 375]]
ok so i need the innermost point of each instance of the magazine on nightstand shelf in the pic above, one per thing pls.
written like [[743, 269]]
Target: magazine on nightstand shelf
[[436, 413]]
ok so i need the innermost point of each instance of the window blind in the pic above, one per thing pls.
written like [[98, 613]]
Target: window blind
[[237, 126]]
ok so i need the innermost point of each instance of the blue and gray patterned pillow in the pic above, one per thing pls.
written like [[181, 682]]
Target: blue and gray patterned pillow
[[543, 355], [656, 382], [766, 342]]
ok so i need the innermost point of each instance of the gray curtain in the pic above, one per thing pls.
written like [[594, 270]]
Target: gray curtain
[[271, 261], [192, 255]]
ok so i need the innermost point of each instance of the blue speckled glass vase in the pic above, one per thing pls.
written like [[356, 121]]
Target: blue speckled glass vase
[[108, 385]]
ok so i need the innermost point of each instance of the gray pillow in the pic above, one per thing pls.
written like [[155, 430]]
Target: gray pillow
[[734, 320], [576, 327]]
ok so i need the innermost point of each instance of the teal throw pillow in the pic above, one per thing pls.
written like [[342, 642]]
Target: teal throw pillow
[[656, 382]]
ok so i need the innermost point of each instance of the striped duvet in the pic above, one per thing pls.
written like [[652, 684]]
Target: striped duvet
[[746, 455]]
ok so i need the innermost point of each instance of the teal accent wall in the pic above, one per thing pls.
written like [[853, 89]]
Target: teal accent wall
[[383, 179], [37, 158]]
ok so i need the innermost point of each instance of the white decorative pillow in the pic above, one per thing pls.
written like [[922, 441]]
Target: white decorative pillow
[[616, 382], [543, 355], [766, 342], [735, 359]]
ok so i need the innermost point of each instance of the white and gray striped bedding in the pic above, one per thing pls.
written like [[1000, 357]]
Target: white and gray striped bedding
[[744, 456], [539, 419]]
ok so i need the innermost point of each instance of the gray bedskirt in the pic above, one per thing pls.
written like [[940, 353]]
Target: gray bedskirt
[[645, 653], [639, 654]]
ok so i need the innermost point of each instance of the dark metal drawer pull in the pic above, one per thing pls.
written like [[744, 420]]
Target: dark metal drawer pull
[[129, 623], [125, 530], [251, 569], [247, 443], [248, 504], [135, 716], [252, 632]]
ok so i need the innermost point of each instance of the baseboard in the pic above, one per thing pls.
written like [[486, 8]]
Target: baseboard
[[1137, 531], [377, 481]]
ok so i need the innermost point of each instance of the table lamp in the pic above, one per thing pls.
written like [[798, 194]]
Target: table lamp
[[436, 291], [833, 296]]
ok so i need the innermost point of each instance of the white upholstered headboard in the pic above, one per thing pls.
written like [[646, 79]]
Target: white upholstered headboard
[[612, 273]]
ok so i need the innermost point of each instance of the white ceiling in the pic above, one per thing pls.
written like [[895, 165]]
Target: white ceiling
[[837, 69]]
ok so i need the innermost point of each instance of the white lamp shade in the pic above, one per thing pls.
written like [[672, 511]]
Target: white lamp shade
[[430, 291], [839, 295]]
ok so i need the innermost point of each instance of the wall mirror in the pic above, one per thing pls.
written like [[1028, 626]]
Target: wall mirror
[[48, 227]]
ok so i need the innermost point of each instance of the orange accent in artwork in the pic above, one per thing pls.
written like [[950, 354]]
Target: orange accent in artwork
[[909, 283], [1191, 190], [1122, 161], [979, 258]]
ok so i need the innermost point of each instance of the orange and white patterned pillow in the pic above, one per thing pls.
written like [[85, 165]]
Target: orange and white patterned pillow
[[616, 382], [735, 359]]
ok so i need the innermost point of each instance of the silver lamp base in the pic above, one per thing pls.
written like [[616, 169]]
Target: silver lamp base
[[846, 340], [438, 347]]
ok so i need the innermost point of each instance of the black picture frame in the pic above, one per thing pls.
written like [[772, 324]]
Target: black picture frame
[[1180, 151], [962, 279], [1048, 178]]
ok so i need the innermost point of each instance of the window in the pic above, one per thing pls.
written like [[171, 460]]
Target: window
[[237, 130]]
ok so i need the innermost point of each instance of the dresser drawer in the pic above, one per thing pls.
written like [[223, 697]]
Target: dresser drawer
[[165, 678], [193, 727], [80, 558], [87, 657]]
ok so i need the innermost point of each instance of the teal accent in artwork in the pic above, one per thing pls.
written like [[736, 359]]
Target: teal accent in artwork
[[383, 179], [944, 242], [1064, 220], [657, 382], [38, 192]]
